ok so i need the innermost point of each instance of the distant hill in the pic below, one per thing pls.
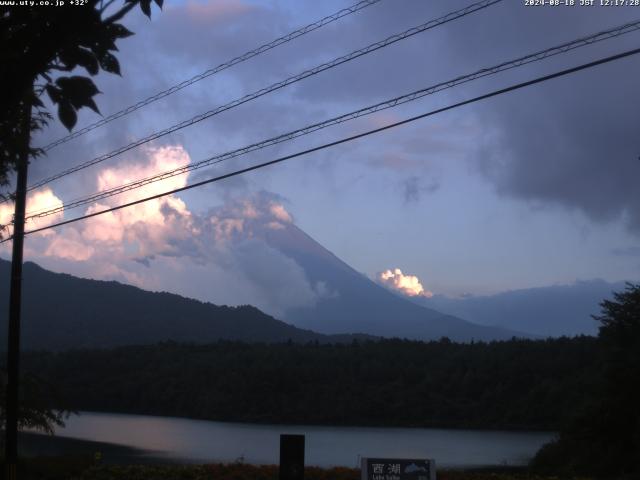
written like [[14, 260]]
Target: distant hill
[[547, 311], [62, 312]]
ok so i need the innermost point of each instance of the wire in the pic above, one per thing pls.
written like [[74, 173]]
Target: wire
[[223, 66], [524, 60], [276, 86], [346, 139]]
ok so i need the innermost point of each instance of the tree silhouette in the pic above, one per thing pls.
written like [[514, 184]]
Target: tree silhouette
[[37, 396], [39, 46], [604, 439]]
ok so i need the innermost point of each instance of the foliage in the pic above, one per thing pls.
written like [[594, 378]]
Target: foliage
[[35, 42], [605, 439], [36, 398], [53, 468], [38, 47], [515, 384], [59, 469]]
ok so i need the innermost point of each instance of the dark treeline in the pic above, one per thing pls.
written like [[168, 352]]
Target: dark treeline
[[519, 384]]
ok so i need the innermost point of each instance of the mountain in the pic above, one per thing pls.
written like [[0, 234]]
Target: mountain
[[60, 312], [354, 303], [547, 311]]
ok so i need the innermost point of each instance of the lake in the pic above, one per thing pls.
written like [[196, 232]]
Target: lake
[[168, 439]]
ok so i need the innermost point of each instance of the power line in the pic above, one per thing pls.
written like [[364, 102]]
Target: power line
[[223, 66], [347, 139], [524, 60], [276, 86]]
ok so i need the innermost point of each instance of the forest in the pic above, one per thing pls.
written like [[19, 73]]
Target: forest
[[518, 384]]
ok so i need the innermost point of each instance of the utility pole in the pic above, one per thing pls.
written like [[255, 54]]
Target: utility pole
[[15, 295]]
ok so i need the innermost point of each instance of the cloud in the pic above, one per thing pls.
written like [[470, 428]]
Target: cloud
[[153, 244], [155, 226], [236, 236], [278, 211], [70, 247], [248, 217], [37, 201], [406, 284], [626, 252], [413, 189], [571, 142]]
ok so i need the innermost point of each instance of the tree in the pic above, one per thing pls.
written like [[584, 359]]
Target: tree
[[37, 401], [604, 439], [39, 46]]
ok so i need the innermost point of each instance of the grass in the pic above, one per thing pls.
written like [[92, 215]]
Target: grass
[[86, 468]]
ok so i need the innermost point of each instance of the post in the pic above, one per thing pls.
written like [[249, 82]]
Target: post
[[291, 457], [15, 297]]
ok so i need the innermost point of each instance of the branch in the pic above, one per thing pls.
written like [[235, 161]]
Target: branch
[[104, 7], [121, 13]]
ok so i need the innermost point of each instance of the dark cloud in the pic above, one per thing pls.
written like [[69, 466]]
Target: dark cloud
[[571, 142], [145, 261], [413, 189], [626, 252]]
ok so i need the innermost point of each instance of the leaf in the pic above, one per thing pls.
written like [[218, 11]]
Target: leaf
[[92, 105], [109, 63], [76, 87], [88, 60], [119, 31], [55, 94], [83, 57], [36, 102], [78, 91], [159, 3], [145, 5], [67, 114]]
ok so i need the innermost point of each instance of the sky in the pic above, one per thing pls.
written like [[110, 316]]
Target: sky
[[532, 188]]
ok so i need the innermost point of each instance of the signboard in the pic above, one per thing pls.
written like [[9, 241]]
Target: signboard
[[398, 469]]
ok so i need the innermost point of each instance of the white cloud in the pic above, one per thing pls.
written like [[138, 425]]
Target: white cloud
[[222, 257], [407, 284]]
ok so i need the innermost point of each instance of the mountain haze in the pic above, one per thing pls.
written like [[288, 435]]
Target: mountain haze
[[545, 311], [320, 293], [354, 303]]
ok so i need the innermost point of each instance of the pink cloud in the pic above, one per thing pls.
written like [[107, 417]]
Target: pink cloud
[[210, 13], [37, 201], [70, 247], [148, 226]]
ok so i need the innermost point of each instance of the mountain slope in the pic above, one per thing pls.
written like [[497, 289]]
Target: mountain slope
[[546, 311], [353, 303], [61, 311]]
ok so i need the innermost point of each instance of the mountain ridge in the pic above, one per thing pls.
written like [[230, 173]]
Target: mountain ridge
[[548, 311], [101, 314]]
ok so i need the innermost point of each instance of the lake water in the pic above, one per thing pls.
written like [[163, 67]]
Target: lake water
[[199, 441]]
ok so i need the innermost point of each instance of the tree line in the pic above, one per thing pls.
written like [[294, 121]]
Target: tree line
[[518, 384]]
